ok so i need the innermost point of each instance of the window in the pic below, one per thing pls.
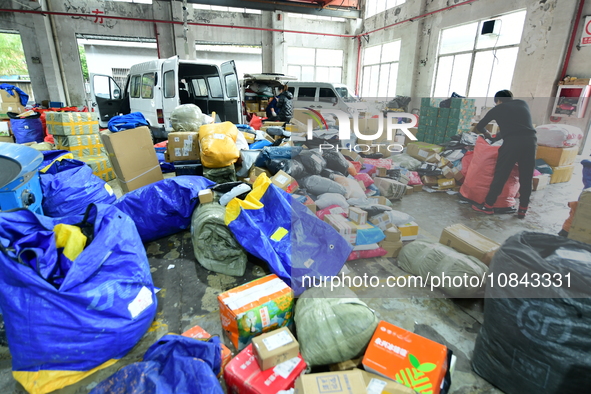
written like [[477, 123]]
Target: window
[[169, 88], [231, 85], [327, 95], [136, 85], [200, 87], [120, 75], [307, 94], [315, 64], [148, 82], [374, 7], [476, 65], [380, 70], [215, 85]]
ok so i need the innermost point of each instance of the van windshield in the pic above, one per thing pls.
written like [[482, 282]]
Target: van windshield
[[346, 94]]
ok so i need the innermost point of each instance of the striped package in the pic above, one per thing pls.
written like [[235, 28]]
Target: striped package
[[81, 145], [101, 166], [72, 123]]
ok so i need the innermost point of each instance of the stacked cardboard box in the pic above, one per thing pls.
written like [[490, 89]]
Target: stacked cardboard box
[[78, 133], [438, 125], [561, 160], [9, 103]]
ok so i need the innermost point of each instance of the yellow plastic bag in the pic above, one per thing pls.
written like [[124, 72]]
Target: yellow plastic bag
[[218, 144]]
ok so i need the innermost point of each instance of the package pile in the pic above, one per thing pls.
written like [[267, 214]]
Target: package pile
[[438, 125], [78, 133], [558, 147]]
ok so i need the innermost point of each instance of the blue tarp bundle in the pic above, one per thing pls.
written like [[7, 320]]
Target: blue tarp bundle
[[174, 364], [59, 333], [129, 121], [165, 207], [69, 186], [27, 130], [275, 227]]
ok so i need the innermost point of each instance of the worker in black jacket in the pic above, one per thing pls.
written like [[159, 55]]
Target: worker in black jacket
[[284, 105], [519, 146]]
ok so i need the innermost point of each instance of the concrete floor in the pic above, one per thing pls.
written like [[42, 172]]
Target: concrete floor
[[188, 295]]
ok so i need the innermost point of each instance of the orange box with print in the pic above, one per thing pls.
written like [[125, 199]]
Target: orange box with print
[[408, 358], [199, 333]]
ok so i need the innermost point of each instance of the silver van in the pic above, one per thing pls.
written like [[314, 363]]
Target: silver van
[[155, 88], [326, 95]]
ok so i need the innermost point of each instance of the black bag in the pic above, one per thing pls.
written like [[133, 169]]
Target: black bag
[[312, 161]]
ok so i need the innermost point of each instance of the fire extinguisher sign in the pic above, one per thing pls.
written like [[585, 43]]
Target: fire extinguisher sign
[[586, 38]]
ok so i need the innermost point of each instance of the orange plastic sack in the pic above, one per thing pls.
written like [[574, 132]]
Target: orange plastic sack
[[569, 221], [218, 144]]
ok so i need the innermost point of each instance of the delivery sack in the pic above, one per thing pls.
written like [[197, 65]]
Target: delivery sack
[[270, 224], [76, 294], [217, 142]]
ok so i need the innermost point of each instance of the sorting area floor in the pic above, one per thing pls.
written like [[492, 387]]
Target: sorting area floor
[[188, 294]]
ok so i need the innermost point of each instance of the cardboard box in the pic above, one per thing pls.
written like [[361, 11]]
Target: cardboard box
[[4, 128], [282, 180], [80, 145], [243, 375], [580, 230], [398, 354], [9, 140], [5, 108], [379, 384], [339, 382], [382, 172], [556, 157], [101, 166], [422, 150], [199, 333], [354, 156], [445, 183], [346, 365], [254, 173], [9, 97], [433, 158], [275, 347], [414, 132], [562, 174], [448, 172], [381, 200], [254, 308], [417, 188], [458, 176], [72, 123], [409, 190], [470, 242], [540, 182], [252, 106], [392, 234], [393, 248], [133, 157], [408, 231], [429, 180], [344, 227], [183, 145], [205, 196], [357, 215], [382, 221]]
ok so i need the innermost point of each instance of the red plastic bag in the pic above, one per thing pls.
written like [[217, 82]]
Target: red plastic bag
[[256, 122], [331, 209], [365, 178], [367, 254], [480, 174], [414, 178]]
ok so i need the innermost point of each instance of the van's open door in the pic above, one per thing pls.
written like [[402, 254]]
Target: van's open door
[[108, 98], [170, 89], [232, 106]]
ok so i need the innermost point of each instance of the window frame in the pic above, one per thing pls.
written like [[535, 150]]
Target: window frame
[[316, 66], [366, 67], [152, 86]]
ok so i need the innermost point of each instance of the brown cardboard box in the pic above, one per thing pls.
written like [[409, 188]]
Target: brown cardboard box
[[580, 230], [205, 196], [392, 234], [354, 156], [346, 365], [562, 174], [344, 227], [458, 176], [422, 150], [282, 180], [408, 231], [417, 188], [252, 106], [379, 384], [133, 157], [183, 145], [409, 190], [5, 97], [429, 180], [382, 221], [414, 132], [540, 182], [433, 158], [9, 139], [382, 172], [275, 347], [467, 241], [445, 183], [10, 107], [381, 200], [339, 382], [256, 171], [357, 216], [448, 172], [556, 157], [393, 248]]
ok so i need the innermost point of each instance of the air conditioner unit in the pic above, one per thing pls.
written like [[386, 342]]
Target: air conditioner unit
[[491, 27]]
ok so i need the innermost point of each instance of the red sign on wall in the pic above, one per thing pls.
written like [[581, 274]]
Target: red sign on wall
[[586, 38]]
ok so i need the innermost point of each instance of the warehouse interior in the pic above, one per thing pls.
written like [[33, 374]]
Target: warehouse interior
[[421, 52]]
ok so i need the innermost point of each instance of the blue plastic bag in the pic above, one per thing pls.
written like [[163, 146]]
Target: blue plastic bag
[[586, 173], [102, 308], [69, 186], [165, 207], [27, 130], [259, 144], [23, 97], [164, 165], [174, 364], [276, 152], [126, 122], [275, 227]]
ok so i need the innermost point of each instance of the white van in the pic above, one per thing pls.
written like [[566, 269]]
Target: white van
[[155, 88], [326, 95]]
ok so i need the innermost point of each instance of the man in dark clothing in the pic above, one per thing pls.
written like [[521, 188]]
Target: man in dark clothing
[[519, 146], [284, 105]]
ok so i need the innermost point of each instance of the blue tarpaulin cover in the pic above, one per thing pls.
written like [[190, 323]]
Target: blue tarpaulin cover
[[126, 122], [165, 207], [174, 364], [275, 227], [60, 331]]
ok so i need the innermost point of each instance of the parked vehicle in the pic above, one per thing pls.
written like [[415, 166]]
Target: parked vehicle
[[326, 95], [256, 88], [155, 88]]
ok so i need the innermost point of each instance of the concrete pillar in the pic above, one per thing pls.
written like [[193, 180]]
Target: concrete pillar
[[165, 32], [274, 45]]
